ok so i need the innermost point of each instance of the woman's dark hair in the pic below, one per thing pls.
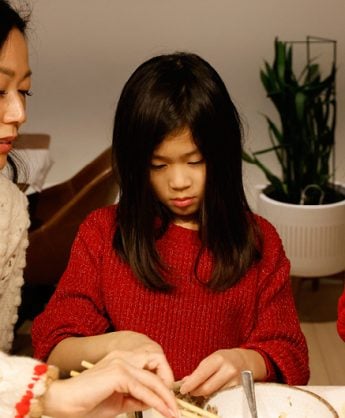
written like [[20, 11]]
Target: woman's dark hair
[[164, 95], [11, 19]]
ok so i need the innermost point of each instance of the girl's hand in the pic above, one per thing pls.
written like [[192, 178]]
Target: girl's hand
[[222, 369], [118, 383]]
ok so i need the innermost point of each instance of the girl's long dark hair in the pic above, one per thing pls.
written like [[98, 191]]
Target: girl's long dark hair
[[165, 94]]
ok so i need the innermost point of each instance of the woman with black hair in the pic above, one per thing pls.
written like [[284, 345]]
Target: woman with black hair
[[15, 84], [122, 381], [181, 266]]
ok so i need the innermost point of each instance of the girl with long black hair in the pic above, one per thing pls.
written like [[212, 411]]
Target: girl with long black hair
[[181, 266]]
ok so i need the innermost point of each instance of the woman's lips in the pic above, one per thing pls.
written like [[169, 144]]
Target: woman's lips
[[5, 145], [182, 203]]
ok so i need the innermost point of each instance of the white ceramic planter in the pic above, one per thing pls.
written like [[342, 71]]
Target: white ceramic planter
[[313, 235]]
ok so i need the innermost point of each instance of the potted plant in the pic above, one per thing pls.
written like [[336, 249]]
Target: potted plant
[[304, 145]]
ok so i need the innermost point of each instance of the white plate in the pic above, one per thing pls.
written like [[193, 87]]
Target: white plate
[[273, 401]]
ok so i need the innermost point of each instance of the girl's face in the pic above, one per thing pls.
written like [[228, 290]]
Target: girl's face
[[15, 83], [178, 175]]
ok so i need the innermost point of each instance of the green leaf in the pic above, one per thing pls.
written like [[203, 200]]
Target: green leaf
[[280, 61], [307, 106], [300, 101]]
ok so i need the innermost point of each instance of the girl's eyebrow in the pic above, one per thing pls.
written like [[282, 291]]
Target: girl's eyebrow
[[11, 73], [186, 155]]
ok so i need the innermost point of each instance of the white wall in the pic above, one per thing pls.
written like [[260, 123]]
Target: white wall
[[82, 52]]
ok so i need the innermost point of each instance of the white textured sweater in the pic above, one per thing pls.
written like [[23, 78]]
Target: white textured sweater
[[14, 223], [23, 381]]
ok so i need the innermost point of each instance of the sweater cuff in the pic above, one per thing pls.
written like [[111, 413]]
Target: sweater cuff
[[271, 371], [271, 375], [23, 382]]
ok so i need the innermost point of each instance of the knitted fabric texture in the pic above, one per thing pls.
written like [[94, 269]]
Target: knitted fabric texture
[[99, 293], [341, 316], [14, 223], [23, 381]]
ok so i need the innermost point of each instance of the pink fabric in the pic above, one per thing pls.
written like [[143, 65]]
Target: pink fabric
[[98, 293]]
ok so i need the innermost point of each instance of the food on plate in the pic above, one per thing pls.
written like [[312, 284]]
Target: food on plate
[[201, 402]]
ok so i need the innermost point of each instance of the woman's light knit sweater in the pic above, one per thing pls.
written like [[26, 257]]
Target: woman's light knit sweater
[[98, 292], [23, 381], [14, 223]]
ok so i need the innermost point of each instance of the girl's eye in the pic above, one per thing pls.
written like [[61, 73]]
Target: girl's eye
[[26, 92], [157, 166], [3, 93], [196, 162]]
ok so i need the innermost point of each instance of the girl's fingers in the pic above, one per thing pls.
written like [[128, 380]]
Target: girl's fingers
[[220, 380], [214, 373], [200, 375]]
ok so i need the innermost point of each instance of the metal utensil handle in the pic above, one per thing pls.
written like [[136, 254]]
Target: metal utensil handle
[[248, 386]]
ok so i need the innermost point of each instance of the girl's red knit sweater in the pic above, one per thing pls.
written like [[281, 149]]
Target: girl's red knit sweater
[[98, 293], [341, 316]]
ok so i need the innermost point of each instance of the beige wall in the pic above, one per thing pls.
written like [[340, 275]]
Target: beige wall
[[82, 51]]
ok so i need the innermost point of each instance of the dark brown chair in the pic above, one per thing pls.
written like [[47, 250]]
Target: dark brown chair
[[56, 214]]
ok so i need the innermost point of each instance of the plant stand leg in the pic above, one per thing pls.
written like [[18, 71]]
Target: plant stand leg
[[315, 284]]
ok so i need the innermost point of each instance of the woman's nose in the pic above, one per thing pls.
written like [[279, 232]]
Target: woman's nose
[[15, 111]]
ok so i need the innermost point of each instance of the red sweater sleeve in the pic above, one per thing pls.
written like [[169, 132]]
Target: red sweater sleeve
[[277, 333], [78, 298], [341, 316]]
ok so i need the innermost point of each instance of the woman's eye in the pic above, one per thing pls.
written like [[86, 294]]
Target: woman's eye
[[3, 93], [26, 92]]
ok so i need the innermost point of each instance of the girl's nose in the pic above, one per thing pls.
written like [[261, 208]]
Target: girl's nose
[[179, 179], [15, 111]]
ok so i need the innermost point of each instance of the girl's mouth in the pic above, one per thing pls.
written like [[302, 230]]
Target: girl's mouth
[[184, 202]]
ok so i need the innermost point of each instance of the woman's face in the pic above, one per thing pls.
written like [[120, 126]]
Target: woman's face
[[15, 83], [178, 175]]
